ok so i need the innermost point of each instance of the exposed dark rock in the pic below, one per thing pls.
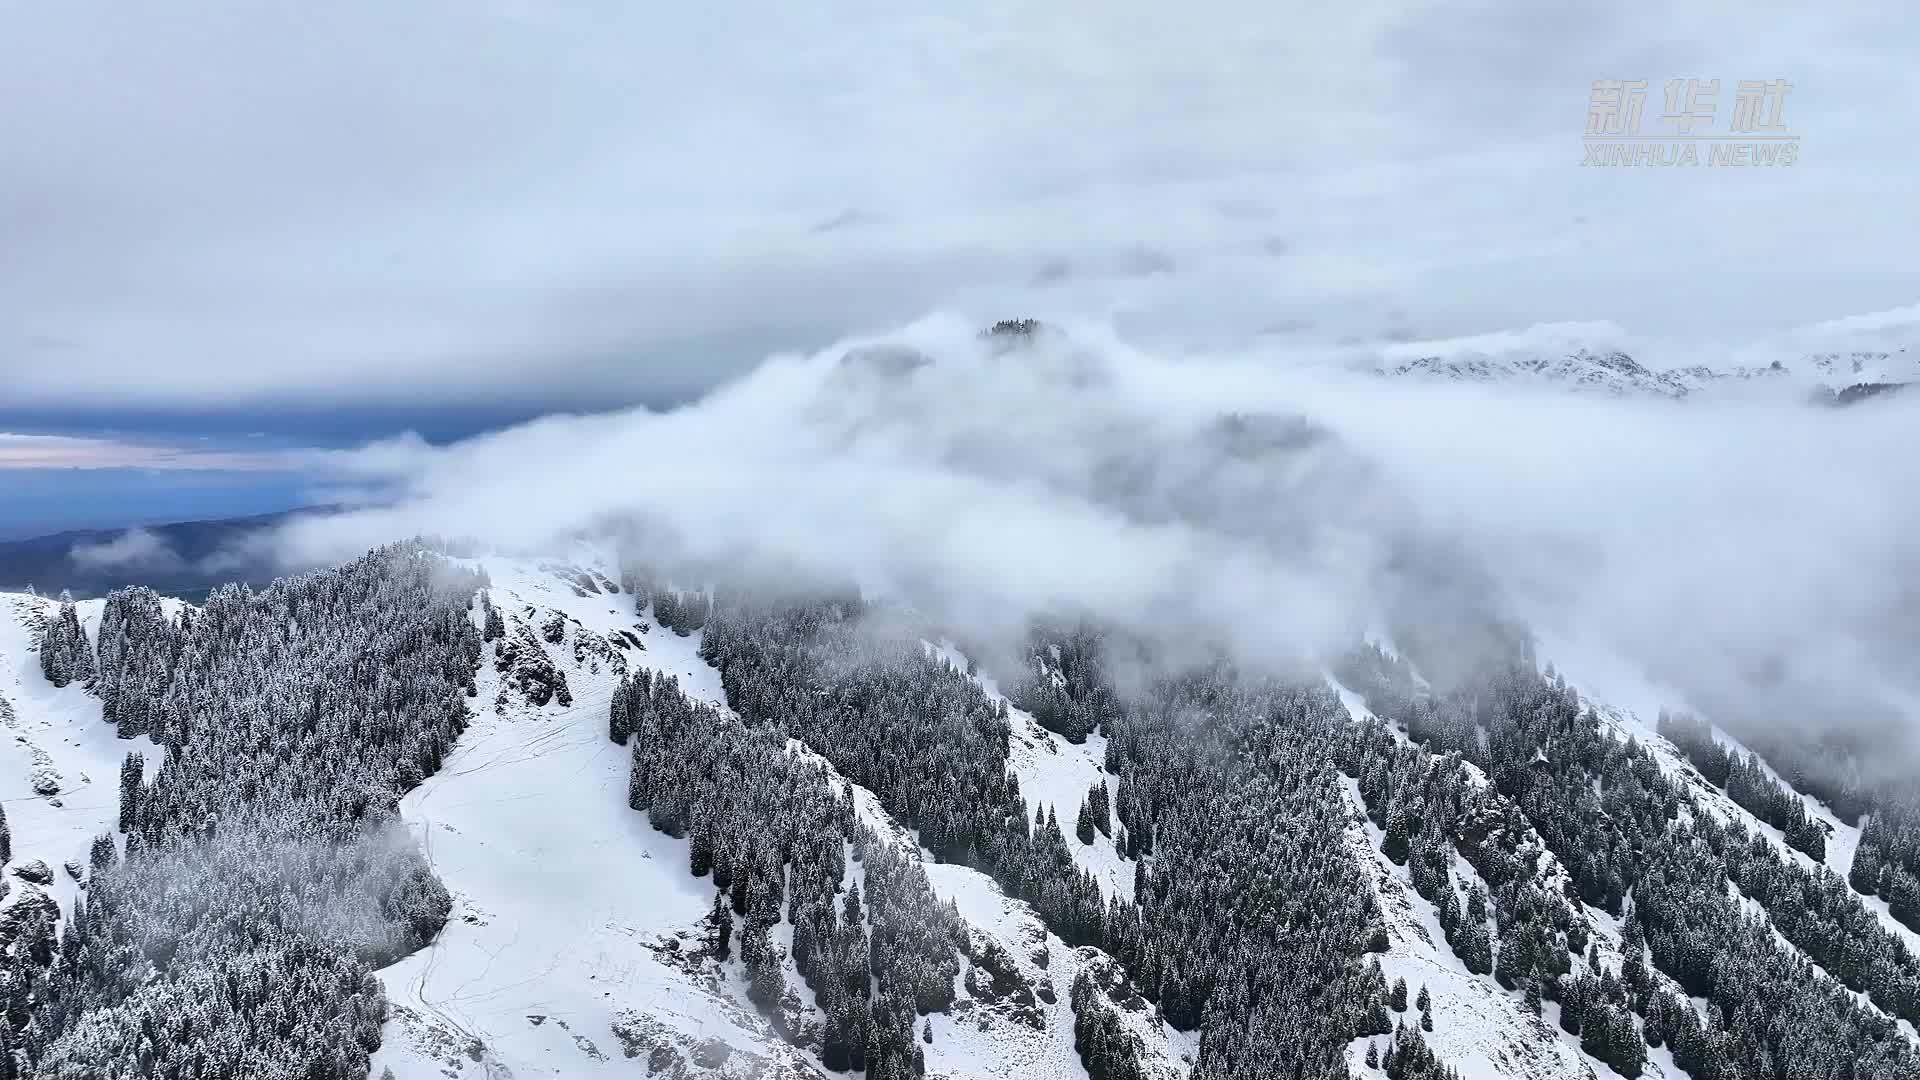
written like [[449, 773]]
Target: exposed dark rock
[[34, 870]]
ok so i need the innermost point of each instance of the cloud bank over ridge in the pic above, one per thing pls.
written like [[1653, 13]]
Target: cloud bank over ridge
[[1238, 497]]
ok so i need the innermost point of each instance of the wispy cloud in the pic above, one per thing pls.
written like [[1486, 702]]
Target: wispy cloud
[[135, 549], [39, 451]]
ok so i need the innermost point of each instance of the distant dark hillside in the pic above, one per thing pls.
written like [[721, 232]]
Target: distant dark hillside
[[1862, 391], [181, 559]]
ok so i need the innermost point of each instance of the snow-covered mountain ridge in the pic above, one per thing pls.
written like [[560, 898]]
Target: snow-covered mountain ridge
[[575, 945], [581, 938], [1824, 377], [1836, 362]]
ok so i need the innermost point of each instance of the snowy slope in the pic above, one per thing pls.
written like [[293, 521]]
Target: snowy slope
[[575, 931], [59, 762], [1489, 1032], [1630, 702], [1056, 774], [1024, 1035], [1480, 1029], [973, 1041], [564, 899]]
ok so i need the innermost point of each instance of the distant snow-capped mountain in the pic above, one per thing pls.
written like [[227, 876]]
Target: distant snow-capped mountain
[[1839, 377], [1611, 371], [1839, 361]]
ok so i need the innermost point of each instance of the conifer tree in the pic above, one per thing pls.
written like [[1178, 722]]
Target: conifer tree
[[132, 768], [65, 654]]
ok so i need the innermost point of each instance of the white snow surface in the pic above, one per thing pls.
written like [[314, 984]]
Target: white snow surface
[[972, 1042], [54, 736], [562, 895]]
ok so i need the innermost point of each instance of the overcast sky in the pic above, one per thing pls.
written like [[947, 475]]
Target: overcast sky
[[331, 221]]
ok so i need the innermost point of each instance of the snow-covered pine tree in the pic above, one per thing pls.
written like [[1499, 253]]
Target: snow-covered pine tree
[[65, 654]]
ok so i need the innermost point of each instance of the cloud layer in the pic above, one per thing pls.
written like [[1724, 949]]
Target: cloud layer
[[483, 202], [1238, 498]]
